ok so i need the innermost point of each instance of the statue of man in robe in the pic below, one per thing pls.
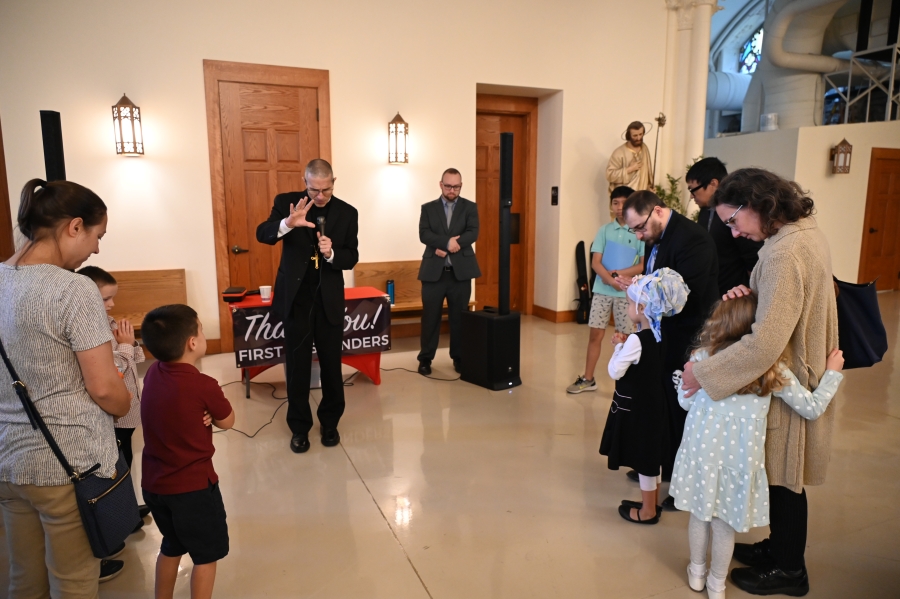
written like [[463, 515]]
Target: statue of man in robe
[[630, 163]]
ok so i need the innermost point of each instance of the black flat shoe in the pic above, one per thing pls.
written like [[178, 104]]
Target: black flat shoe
[[633, 476], [756, 555], [300, 443], [668, 504], [425, 368], [625, 512], [771, 580], [330, 437], [143, 511], [110, 568]]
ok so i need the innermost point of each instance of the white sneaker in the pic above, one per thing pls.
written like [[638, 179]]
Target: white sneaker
[[696, 582], [581, 384]]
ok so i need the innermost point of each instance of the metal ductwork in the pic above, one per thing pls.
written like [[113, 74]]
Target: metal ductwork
[[726, 91], [788, 79], [810, 19]]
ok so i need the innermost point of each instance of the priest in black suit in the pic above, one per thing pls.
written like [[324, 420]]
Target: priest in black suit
[[448, 226], [309, 295], [687, 248]]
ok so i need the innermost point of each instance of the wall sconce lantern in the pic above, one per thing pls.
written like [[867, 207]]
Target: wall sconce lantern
[[398, 131], [127, 127], [840, 158]]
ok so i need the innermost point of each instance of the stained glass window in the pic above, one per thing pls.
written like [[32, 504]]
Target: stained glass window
[[751, 52]]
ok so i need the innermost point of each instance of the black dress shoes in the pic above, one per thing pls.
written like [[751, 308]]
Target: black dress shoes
[[668, 504], [330, 437], [425, 368], [633, 475], [300, 443], [756, 555], [143, 511], [457, 366], [771, 580]]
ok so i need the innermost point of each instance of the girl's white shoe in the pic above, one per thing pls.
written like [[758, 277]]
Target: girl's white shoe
[[696, 582], [715, 583]]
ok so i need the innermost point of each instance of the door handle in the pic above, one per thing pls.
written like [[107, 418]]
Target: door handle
[[238, 250], [871, 230]]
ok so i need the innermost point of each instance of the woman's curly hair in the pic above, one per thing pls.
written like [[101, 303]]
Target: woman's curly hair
[[730, 320], [777, 201]]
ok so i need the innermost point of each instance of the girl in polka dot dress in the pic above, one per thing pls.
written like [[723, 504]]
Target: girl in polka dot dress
[[719, 474]]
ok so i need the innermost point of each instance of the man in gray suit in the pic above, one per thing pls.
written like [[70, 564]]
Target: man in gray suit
[[448, 227]]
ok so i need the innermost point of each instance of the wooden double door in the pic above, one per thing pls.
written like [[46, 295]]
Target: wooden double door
[[496, 115], [880, 254], [265, 124]]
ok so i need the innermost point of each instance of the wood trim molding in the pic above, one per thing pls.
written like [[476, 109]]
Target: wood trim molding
[[214, 72], [528, 107], [7, 242], [213, 346], [548, 314]]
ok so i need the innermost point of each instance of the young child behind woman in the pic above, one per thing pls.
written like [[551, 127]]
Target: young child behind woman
[[719, 474], [127, 354], [636, 428]]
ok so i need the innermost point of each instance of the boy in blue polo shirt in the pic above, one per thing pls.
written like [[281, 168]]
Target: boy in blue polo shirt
[[615, 252]]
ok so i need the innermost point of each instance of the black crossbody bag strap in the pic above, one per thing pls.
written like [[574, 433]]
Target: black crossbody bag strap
[[35, 417]]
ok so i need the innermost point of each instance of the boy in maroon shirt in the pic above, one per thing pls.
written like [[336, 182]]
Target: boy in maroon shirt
[[178, 480]]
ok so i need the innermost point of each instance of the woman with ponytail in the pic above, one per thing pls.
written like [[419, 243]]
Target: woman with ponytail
[[54, 329]]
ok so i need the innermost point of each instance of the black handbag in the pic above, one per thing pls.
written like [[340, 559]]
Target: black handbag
[[108, 506], [861, 332]]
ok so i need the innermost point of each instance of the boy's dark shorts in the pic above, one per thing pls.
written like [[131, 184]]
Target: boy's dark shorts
[[192, 523]]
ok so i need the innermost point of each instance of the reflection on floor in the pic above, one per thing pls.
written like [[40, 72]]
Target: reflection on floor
[[446, 490]]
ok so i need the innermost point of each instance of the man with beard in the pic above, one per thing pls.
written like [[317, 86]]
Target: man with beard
[[448, 226], [687, 248], [630, 163]]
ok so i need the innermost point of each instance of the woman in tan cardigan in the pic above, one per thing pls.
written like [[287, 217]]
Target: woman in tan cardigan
[[796, 310]]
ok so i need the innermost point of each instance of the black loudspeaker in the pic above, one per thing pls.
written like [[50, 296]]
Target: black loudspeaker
[[54, 160], [490, 349], [490, 340]]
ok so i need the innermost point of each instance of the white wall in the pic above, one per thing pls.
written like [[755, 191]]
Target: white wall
[[803, 155], [772, 150], [423, 59]]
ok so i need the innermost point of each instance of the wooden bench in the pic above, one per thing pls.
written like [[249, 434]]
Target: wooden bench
[[143, 290], [406, 313]]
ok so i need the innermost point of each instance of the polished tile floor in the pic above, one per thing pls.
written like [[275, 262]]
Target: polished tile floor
[[445, 490]]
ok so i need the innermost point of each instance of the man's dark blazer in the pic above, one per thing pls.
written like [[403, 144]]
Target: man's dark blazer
[[737, 255], [435, 234], [341, 225], [688, 249]]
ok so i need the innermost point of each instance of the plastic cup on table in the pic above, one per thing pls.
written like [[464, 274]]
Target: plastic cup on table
[[265, 292]]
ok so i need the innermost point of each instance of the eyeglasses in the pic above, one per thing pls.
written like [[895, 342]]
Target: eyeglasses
[[730, 222], [694, 190], [640, 228], [315, 192], [452, 187]]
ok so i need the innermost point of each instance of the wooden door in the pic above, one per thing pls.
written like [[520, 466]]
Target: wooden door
[[880, 255], [496, 115], [269, 134], [266, 124]]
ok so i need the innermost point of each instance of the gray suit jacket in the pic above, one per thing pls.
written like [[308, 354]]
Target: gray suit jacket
[[435, 234]]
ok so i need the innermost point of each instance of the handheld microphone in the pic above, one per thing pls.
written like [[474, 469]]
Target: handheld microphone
[[320, 225]]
